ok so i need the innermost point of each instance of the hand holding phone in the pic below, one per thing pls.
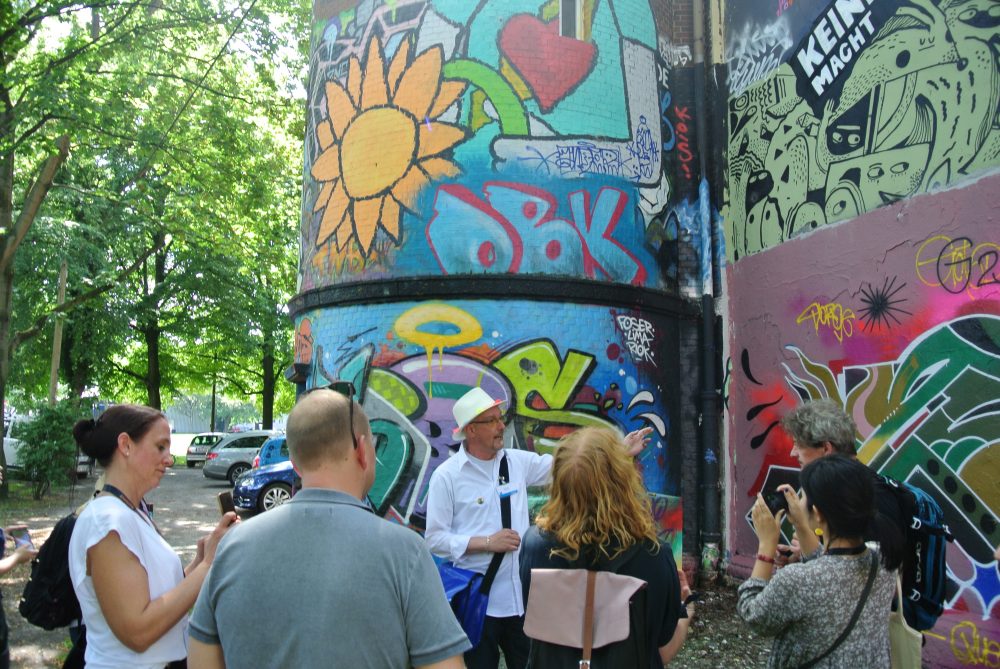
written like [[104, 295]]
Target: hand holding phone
[[21, 537], [225, 500]]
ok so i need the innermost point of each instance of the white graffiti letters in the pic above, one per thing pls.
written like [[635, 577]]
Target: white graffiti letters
[[755, 52], [837, 37], [638, 337]]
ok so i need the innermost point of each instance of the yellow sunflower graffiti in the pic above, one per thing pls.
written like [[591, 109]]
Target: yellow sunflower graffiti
[[381, 144]]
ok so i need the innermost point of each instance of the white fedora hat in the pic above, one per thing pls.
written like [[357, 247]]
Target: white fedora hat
[[470, 405]]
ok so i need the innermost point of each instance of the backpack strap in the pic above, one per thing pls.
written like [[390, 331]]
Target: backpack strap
[[588, 621], [854, 616], [491, 572]]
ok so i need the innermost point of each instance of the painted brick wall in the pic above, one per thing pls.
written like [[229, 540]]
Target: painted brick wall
[[449, 139], [862, 218], [558, 366]]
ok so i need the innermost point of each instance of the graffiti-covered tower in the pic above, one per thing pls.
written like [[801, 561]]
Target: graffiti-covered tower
[[504, 194], [863, 141]]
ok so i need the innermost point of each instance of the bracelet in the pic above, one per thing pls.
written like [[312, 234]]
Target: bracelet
[[765, 558], [488, 543]]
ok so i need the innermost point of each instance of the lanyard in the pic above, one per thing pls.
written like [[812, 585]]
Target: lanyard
[[108, 488]]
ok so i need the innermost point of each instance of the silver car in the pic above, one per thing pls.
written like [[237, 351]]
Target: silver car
[[200, 445], [234, 454]]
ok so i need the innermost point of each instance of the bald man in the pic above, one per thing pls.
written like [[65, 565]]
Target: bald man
[[322, 581]]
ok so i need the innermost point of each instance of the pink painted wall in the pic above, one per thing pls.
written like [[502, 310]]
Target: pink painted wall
[[896, 314]]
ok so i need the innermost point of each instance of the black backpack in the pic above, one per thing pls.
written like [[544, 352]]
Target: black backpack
[[48, 600], [924, 571]]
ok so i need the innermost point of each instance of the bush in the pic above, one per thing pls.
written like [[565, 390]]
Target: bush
[[48, 451]]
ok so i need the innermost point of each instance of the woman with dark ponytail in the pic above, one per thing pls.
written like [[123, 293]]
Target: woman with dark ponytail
[[133, 589], [831, 609]]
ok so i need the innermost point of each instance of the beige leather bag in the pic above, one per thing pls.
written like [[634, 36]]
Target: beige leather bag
[[557, 607], [905, 643]]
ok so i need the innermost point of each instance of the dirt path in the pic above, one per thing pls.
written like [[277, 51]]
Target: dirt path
[[185, 509]]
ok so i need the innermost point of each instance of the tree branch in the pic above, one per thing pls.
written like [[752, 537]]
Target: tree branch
[[40, 322], [34, 201], [128, 372]]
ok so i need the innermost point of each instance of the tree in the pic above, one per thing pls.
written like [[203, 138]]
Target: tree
[[156, 98]]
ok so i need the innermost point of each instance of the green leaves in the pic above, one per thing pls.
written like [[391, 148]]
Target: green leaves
[[183, 129]]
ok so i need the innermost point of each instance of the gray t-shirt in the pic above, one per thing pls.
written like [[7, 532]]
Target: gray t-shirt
[[323, 582]]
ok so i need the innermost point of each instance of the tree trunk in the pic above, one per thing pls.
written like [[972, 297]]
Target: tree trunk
[[268, 395], [151, 335], [6, 297], [151, 329]]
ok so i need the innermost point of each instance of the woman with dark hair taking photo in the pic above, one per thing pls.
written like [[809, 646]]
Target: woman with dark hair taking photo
[[133, 589], [831, 609], [598, 518]]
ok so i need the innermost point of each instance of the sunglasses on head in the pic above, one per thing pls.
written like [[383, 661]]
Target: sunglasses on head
[[345, 388]]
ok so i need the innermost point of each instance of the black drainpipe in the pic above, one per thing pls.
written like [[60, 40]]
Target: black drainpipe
[[710, 516]]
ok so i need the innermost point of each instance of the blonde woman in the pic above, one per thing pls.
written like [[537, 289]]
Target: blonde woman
[[598, 517]]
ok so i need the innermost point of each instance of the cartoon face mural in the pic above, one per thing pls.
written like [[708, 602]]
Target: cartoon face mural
[[419, 108], [903, 331], [876, 102], [410, 361]]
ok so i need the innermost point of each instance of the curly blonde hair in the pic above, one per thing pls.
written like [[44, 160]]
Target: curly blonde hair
[[597, 498]]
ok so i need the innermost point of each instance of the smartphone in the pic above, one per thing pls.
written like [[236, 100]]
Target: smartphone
[[21, 537], [225, 500], [776, 502]]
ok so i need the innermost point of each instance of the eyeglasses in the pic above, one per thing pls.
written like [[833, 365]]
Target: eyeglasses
[[345, 388], [501, 419]]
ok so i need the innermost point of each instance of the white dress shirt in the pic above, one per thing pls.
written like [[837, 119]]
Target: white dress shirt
[[463, 501]]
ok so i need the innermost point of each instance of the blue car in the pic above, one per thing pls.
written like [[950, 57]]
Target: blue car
[[265, 487], [273, 451]]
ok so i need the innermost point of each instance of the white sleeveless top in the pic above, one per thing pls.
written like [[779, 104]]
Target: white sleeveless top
[[102, 516]]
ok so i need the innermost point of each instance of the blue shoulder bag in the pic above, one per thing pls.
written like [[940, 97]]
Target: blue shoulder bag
[[469, 591]]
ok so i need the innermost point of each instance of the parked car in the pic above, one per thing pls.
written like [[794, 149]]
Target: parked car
[[234, 454], [265, 487], [12, 444], [200, 445], [241, 427], [273, 451]]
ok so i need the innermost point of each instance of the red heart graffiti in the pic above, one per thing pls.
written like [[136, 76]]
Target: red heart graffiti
[[551, 65]]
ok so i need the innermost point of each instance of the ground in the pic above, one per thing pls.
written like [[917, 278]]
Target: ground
[[185, 509]]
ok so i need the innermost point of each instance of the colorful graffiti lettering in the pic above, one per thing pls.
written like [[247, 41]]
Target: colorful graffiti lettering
[[684, 151], [408, 394], [838, 318], [958, 265], [935, 390], [972, 648], [884, 130], [500, 90], [515, 230]]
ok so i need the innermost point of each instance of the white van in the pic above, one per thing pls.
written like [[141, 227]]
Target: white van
[[12, 442]]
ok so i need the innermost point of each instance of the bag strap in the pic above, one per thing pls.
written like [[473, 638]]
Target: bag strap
[[588, 621], [491, 572], [854, 616]]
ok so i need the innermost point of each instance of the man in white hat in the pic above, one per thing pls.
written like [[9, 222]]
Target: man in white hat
[[464, 518]]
